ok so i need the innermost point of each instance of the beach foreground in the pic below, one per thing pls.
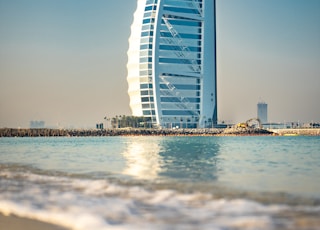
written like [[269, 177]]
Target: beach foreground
[[18, 223], [156, 182]]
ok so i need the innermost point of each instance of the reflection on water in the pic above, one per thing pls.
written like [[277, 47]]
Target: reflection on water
[[143, 159], [172, 158], [192, 158]]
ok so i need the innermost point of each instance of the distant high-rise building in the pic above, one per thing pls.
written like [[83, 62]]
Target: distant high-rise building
[[37, 124], [262, 112], [172, 63]]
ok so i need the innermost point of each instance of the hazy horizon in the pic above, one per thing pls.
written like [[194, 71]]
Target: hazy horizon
[[64, 62]]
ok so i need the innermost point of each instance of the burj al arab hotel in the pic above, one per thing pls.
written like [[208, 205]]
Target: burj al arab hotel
[[172, 63]]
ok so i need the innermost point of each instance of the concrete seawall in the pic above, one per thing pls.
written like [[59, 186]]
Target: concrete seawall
[[302, 132]]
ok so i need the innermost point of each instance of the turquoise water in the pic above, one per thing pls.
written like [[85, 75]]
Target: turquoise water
[[163, 182]]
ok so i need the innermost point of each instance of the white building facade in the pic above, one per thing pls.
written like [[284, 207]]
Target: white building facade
[[172, 63]]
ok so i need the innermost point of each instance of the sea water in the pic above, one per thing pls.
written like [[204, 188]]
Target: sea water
[[223, 183]]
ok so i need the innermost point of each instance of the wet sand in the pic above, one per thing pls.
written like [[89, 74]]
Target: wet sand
[[17, 223]]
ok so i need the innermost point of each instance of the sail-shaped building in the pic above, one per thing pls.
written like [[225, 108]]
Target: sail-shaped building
[[172, 63]]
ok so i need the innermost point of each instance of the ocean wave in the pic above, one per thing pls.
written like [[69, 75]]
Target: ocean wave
[[82, 202]]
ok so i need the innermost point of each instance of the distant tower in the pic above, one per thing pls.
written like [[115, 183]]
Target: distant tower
[[263, 112]]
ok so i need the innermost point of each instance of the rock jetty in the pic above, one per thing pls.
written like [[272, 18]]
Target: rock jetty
[[43, 132], [9, 132]]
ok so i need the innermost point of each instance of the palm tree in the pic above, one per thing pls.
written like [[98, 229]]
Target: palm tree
[[106, 120], [114, 122], [124, 121]]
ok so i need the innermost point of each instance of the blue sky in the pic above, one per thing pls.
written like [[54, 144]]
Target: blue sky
[[64, 61]]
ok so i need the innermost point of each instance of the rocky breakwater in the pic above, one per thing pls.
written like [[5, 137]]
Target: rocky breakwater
[[7, 132], [239, 131]]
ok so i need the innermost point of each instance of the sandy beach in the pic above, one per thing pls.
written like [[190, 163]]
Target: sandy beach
[[18, 223]]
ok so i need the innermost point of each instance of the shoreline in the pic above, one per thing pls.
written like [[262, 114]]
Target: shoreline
[[44, 132], [14, 222]]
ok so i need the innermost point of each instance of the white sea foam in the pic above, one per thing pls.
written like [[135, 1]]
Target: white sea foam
[[83, 204]]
